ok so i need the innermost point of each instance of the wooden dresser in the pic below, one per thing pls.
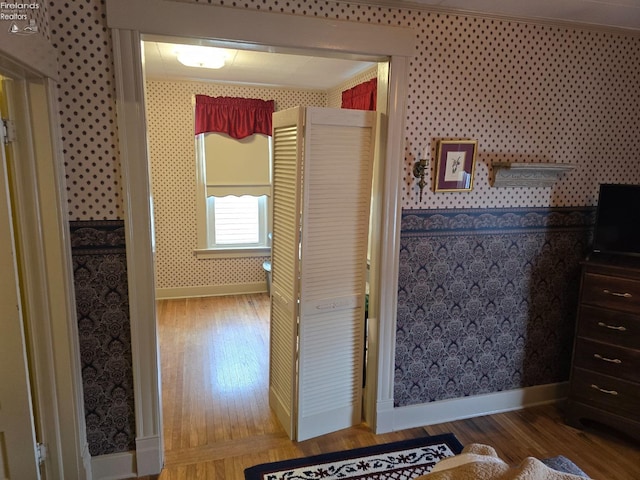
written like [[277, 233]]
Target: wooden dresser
[[605, 371]]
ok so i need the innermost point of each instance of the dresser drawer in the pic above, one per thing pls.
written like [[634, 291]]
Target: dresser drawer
[[611, 292], [607, 359], [611, 394], [609, 326]]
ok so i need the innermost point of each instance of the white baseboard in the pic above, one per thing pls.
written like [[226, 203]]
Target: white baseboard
[[211, 290], [401, 418], [114, 466], [86, 462], [147, 459], [384, 416], [149, 456]]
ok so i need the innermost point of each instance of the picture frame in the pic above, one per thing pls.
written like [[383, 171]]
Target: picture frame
[[455, 165]]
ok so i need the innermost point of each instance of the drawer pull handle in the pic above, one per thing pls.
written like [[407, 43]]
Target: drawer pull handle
[[617, 294], [608, 392], [605, 359], [612, 327]]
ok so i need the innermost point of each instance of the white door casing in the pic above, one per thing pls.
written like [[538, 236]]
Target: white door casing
[[18, 457], [276, 32], [37, 183]]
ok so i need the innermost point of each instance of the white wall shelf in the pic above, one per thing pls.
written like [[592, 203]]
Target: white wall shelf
[[527, 174]]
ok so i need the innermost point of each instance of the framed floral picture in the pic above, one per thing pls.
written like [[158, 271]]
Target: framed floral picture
[[455, 164]]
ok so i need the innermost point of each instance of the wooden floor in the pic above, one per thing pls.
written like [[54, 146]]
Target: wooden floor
[[217, 421]]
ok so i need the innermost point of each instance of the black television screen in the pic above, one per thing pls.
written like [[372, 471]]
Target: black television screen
[[617, 227]]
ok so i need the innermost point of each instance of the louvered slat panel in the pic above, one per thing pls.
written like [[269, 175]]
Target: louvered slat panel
[[285, 266], [337, 185], [285, 226], [327, 343], [336, 243]]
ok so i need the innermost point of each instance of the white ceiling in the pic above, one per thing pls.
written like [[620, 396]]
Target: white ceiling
[[297, 71], [253, 68]]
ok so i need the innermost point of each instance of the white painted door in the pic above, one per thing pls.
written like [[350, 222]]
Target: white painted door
[[338, 163], [325, 324], [18, 458]]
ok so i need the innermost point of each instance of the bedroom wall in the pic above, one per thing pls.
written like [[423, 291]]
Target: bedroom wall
[[488, 279], [86, 103], [525, 91], [172, 156]]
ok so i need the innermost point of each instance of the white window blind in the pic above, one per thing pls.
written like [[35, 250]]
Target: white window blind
[[236, 220]]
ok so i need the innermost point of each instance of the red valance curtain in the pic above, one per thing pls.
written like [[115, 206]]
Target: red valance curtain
[[361, 97], [237, 117]]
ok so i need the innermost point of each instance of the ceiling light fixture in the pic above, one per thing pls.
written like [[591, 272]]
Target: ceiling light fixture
[[200, 57]]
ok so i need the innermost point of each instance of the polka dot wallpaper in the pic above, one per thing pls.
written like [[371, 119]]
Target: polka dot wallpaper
[[525, 91], [40, 17], [86, 98], [171, 148]]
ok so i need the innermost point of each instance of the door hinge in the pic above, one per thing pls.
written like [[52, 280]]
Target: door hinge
[[8, 131], [41, 452]]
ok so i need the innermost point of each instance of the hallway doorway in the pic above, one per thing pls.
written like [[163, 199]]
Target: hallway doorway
[[175, 223], [393, 45]]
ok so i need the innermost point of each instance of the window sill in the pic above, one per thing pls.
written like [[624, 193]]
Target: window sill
[[204, 253]]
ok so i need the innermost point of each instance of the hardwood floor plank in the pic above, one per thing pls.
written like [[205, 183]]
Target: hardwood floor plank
[[217, 421], [541, 432]]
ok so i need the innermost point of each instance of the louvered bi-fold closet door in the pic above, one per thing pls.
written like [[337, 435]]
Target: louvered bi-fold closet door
[[319, 267], [286, 198], [338, 161]]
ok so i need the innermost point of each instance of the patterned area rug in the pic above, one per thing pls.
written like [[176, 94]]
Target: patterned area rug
[[403, 460]]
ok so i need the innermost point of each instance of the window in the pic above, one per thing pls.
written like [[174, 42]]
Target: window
[[234, 185], [237, 222]]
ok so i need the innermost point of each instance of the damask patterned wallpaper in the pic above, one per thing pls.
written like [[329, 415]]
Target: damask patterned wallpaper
[[100, 276], [486, 299]]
